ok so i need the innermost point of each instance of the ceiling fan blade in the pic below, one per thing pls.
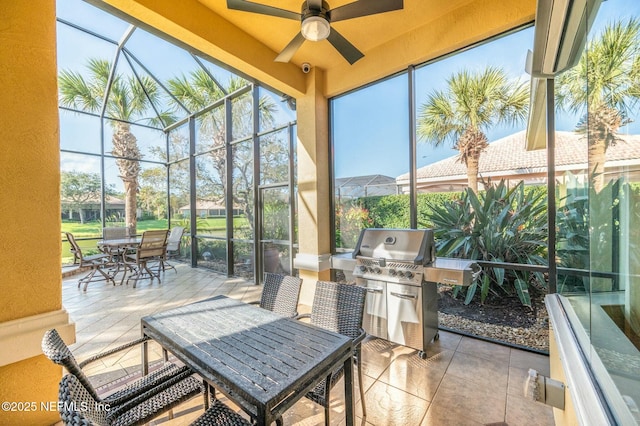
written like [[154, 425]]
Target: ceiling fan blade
[[314, 4], [364, 8], [290, 49], [263, 9], [346, 49]]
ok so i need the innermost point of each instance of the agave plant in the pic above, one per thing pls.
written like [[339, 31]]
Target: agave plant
[[500, 224]]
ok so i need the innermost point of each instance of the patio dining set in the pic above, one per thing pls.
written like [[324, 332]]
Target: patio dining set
[[263, 356], [137, 258]]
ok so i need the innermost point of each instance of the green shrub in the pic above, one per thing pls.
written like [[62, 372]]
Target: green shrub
[[499, 224]]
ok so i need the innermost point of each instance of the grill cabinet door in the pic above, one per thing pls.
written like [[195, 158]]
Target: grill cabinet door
[[375, 310], [404, 310]]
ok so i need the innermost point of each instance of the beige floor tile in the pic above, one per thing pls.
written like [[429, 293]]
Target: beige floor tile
[[527, 360], [419, 377], [484, 374], [446, 340], [390, 406], [524, 412], [439, 415], [465, 400], [484, 349]]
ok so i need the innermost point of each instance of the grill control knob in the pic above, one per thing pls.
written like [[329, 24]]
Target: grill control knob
[[377, 270], [363, 268], [392, 272], [400, 273], [408, 274]]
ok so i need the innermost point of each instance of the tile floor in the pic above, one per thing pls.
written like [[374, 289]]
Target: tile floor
[[464, 381]]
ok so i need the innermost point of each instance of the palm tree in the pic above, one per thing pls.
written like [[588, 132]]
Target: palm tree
[[472, 103], [604, 82], [127, 99], [196, 92]]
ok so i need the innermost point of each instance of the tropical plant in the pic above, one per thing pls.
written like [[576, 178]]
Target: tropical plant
[[128, 98], [602, 87], [471, 104], [500, 224], [196, 92]]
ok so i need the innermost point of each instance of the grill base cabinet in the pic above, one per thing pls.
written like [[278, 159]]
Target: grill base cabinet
[[401, 313], [399, 269]]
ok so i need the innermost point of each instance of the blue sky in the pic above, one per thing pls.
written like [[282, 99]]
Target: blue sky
[[371, 125]]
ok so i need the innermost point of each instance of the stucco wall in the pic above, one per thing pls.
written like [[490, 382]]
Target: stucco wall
[[30, 274]]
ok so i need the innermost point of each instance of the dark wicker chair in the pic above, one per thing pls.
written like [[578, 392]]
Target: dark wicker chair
[[339, 308], [77, 406], [97, 263], [57, 351], [280, 294], [152, 248], [218, 414]]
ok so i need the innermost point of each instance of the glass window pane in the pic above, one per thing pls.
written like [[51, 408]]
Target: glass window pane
[[85, 47], [210, 130], [275, 214], [179, 143], [276, 258], [243, 196], [212, 254], [243, 259], [275, 110], [210, 194], [131, 141], [79, 132], [598, 218], [116, 190], [274, 157], [152, 197], [92, 18], [371, 146], [242, 113], [81, 194]]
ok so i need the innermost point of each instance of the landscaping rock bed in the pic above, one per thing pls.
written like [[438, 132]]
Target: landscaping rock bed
[[500, 319]]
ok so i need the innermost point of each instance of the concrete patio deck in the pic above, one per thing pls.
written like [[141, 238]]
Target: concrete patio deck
[[464, 381]]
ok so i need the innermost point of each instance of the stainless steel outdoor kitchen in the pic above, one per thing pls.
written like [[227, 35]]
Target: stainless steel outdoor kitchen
[[400, 270]]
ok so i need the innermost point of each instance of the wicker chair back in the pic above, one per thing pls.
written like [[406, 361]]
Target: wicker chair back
[[280, 294]]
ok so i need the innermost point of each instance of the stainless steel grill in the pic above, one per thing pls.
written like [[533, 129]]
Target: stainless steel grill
[[400, 271]]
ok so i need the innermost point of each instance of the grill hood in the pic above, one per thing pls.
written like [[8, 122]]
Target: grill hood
[[414, 246]]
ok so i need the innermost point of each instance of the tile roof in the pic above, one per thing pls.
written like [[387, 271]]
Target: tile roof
[[509, 156]]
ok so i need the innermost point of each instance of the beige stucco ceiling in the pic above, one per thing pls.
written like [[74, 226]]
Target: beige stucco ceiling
[[391, 41]]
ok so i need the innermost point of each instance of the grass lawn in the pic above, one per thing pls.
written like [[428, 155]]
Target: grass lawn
[[92, 231]]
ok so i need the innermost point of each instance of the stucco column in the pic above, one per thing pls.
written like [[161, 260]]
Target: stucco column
[[314, 223], [30, 241]]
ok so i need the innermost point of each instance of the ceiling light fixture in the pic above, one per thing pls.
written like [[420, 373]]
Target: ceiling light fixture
[[315, 28]]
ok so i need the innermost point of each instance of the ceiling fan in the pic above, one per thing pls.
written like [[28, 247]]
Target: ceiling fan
[[316, 18]]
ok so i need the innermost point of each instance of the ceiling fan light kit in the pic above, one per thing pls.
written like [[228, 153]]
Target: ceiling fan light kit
[[315, 22], [315, 28]]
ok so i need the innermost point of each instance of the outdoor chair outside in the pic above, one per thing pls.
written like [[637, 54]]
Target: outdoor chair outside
[[339, 308], [152, 248], [173, 248], [137, 402], [280, 294], [97, 263]]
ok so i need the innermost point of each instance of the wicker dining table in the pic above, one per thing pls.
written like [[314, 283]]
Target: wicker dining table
[[260, 360]]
